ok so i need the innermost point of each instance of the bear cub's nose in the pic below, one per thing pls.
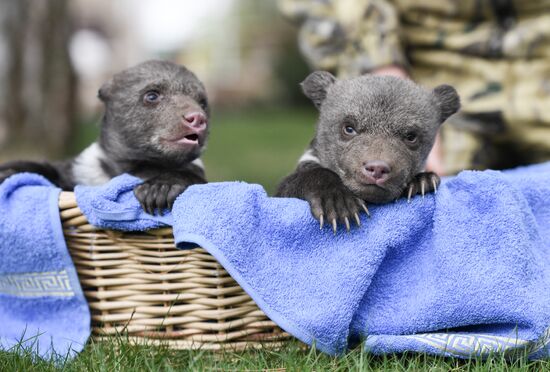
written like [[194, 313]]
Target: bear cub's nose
[[195, 120], [376, 171]]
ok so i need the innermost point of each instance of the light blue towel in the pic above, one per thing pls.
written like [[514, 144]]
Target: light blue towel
[[464, 272], [114, 206], [42, 306]]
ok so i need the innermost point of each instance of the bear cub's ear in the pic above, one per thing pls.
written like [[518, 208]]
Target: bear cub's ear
[[447, 99], [104, 93], [315, 86]]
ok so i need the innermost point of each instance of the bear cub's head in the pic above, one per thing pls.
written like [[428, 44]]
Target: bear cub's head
[[376, 132], [156, 111]]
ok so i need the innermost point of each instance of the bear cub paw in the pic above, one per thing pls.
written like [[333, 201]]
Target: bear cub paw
[[336, 205], [422, 184], [157, 196]]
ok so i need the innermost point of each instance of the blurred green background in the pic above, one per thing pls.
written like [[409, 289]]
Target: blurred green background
[[258, 146], [55, 55]]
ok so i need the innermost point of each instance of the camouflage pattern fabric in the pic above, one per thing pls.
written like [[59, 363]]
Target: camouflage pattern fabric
[[495, 52]]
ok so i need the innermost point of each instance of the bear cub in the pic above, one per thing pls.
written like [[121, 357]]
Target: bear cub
[[373, 136], [154, 127]]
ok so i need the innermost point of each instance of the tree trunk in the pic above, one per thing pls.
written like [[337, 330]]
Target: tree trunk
[[39, 95]]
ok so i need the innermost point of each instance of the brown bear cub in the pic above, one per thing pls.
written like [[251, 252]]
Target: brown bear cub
[[155, 127], [373, 136]]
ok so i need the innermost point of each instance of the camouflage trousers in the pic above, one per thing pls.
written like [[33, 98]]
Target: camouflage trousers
[[470, 149], [495, 53], [505, 116]]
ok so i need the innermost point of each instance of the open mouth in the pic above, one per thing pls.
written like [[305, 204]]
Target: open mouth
[[192, 137], [189, 139]]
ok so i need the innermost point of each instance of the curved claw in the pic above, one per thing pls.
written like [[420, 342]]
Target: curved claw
[[409, 194], [357, 220], [422, 187], [334, 226], [365, 208], [346, 221], [434, 184], [321, 221]]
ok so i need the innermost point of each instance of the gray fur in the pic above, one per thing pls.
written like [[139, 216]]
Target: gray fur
[[134, 132], [141, 137], [315, 86], [384, 112]]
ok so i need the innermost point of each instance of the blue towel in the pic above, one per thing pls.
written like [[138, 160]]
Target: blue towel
[[114, 206], [463, 272], [42, 306]]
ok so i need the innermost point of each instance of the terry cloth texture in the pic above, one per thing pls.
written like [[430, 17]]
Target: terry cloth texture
[[114, 206], [463, 272], [42, 306]]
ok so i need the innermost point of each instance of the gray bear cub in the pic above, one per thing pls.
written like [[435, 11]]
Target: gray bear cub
[[373, 136], [155, 127]]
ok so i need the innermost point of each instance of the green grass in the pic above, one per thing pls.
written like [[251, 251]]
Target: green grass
[[118, 355], [259, 146]]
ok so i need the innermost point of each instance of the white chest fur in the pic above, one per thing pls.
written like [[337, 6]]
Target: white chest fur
[[87, 168]]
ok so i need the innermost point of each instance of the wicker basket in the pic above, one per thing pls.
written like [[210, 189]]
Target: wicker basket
[[141, 286]]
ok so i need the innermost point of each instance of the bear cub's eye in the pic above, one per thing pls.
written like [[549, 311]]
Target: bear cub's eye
[[203, 103], [411, 137], [349, 130], [151, 96]]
